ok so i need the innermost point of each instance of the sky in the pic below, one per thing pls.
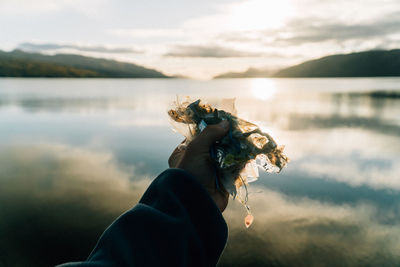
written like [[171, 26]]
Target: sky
[[201, 39]]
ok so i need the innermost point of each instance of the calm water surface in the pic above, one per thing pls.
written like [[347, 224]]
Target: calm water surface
[[75, 153]]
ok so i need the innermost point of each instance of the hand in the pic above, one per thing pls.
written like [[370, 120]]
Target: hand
[[195, 159]]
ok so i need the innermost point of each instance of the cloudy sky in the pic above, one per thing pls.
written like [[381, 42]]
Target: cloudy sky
[[201, 38]]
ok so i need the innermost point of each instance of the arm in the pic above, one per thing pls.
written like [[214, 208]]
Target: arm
[[178, 221]]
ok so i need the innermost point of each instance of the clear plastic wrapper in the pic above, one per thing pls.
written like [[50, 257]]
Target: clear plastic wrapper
[[239, 154]]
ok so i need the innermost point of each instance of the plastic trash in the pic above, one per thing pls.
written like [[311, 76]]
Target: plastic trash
[[239, 154]]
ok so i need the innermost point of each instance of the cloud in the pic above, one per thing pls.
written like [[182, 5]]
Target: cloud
[[320, 30], [43, 7], [213, 51], [246, 32], [313, 35], [22, 6], [138, 33], [305, 30], [31, 47]]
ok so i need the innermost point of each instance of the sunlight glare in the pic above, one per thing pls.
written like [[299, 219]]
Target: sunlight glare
[[259, 14], [263, 89]]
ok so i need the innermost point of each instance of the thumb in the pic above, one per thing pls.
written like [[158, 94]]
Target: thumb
[[211, 134]]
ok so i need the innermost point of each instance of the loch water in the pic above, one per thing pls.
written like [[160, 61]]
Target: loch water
[[76, 153]]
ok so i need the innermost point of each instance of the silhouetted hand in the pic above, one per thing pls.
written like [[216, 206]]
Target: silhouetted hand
[[195, 159]]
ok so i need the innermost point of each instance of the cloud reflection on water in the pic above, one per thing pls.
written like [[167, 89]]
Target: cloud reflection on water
[[56, 201], [291, 231], [353, 156], [73, 160], [60, 198]]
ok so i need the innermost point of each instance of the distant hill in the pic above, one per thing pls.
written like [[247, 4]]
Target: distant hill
[[377, 63], [250, 73], [363, 64], [21, 64]]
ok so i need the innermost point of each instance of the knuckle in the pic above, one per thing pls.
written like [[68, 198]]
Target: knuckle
[[190, 148], [170, 161]]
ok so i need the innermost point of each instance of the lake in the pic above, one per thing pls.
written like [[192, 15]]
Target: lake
[[76, 153]]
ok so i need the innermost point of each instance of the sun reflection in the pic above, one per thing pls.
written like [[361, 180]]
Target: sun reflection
[[263, 89]]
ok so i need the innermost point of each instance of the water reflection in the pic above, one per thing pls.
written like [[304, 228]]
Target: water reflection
[[263, 89], [55, 200], [74, 154], [68, 195], [300, 232], [308, 122]]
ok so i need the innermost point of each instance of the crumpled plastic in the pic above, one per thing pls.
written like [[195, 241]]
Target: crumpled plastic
[[239, 154]]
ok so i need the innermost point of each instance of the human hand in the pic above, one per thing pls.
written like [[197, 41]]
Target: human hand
[[195, 159]]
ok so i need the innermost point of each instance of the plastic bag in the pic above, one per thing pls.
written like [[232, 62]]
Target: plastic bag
[[239, 154]]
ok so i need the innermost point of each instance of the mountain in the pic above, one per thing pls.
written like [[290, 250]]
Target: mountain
[[249, 73], [378, 63], [21, 64], [362, 64]]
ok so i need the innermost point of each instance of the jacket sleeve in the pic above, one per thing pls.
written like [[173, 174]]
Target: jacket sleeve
[[176, 223]]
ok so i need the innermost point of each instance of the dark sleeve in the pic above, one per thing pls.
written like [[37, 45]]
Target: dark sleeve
[[176, 223]]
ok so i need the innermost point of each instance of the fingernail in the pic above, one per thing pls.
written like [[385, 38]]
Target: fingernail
[[224, 124]]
